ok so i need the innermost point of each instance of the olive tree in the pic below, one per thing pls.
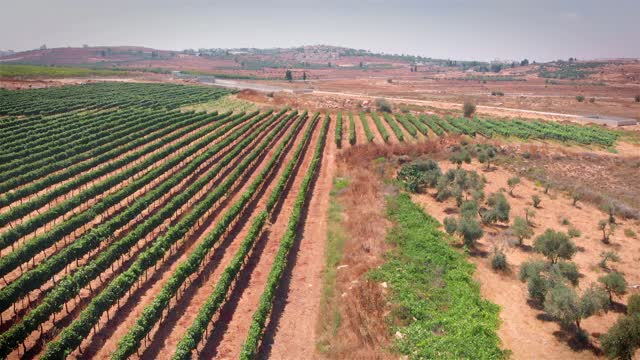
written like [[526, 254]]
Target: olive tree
[[521, 229], [512, 183], [607, 229], [614, 283], [623, 338], [486, 154], [470, 230], [563, 303], [554, 245], [498, 210], [608, 256], [535, 199]]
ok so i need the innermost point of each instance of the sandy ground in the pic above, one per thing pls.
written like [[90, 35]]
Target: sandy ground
[[524, 330]]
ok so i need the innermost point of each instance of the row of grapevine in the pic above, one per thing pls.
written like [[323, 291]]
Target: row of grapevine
[[26, 138], [381, 129], [365, 125], [411, 129], [352, 129], [28, 172], [580, 134], [197, 329], [339, 130], [418, 124], [16, 232], [54, 150], [72, 336], [394, 126], [280, 261], [70, 285], [429, 121], [81, 151], [95, 237], [176, 130], [39, 243], [102, 96], [46, 181], [153, 312]]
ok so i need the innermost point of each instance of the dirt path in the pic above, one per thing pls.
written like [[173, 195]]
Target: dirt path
[[232, 326], [296, 339], [523, 329]]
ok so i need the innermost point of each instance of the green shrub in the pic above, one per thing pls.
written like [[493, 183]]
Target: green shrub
[[450, 225], [630, 233], [580, 98], [420, 174], [535, 199], [499, 260], [383, 105], [633, 305], [608, 256], [573, 232], [468, 109]]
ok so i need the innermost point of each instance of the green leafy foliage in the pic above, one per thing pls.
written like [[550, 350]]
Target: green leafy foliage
[[555, 245], [420, 174], [623, 339], [453, 322], [521, 229], [614, 283]]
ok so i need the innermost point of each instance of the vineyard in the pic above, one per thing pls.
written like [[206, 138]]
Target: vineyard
[[134, 226], [385, 128], [121, 215]]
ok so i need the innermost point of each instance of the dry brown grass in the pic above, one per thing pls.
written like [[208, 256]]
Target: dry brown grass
[[361, 331]]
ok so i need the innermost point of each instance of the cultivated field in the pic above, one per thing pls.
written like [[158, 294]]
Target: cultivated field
[[164, 221]]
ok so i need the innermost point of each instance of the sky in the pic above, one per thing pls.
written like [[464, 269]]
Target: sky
[[539, 30]]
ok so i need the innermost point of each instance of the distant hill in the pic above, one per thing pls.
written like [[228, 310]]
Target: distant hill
[[315, 61]]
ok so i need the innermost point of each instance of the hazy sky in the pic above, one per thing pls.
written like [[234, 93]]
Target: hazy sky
[[457, 29]]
